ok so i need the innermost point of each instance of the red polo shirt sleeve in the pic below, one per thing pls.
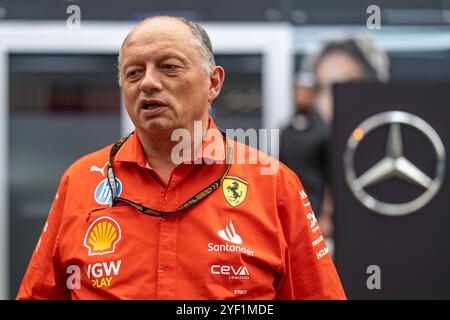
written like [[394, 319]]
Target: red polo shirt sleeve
[[43, 278], [310, 270]]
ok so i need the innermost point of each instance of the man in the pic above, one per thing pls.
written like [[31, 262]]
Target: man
[[131, 221], [304, 142]]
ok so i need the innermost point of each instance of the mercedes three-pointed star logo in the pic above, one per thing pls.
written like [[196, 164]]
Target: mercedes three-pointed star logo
[[394, 164]]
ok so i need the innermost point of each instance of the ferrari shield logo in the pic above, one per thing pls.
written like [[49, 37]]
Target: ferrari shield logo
[[235, 190]]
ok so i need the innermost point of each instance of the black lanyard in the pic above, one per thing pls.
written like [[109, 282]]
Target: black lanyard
[[152, 212]]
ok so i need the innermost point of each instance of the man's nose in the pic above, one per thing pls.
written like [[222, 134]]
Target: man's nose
[[151, 81]]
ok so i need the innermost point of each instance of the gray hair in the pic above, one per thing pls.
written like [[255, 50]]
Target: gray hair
[[200, 39]]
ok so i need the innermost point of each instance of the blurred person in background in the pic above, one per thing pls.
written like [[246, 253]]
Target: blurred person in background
[[303, 143], [343, 61]]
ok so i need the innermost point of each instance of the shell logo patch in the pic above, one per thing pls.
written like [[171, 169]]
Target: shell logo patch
[[235, 190], [102, 236]]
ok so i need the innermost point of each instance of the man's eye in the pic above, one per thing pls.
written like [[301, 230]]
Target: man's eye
[[170, 67], [132, 74]]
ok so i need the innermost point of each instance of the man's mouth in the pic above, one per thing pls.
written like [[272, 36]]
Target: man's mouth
[[152, 105]]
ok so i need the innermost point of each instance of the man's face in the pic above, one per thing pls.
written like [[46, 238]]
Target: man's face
[[304, 97], [164, 82]]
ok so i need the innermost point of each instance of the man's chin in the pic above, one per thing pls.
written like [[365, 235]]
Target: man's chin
[[157, 124]]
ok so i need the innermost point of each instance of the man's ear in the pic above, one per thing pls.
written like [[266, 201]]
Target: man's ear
[[216, 77]]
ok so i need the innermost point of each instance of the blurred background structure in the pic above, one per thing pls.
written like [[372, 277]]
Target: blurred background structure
[[59, 97]]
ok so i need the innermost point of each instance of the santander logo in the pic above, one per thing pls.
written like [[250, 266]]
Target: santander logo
[[234, 242], [229, 234]]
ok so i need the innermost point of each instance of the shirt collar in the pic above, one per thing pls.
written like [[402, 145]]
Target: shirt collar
[[212, 148]]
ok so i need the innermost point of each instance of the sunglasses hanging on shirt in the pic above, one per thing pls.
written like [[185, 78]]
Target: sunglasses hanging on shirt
[[157, 213]]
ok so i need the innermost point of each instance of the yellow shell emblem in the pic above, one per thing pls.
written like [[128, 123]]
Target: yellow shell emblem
[[102, 236], [235, 190]]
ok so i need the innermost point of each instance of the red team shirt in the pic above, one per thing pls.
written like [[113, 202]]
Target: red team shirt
[[255, 237]]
